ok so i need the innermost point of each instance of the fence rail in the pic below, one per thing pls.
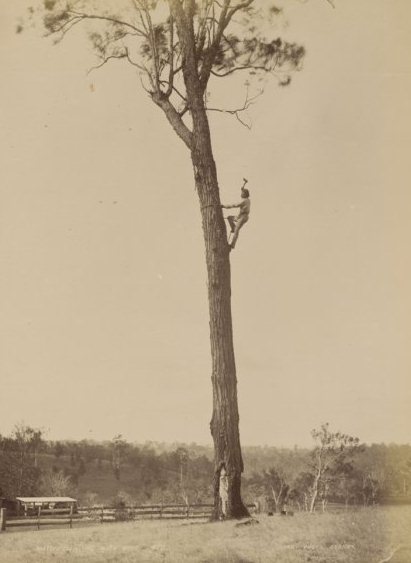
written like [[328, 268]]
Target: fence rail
[[105, 514], [142, 512], [44, 517], [102, 514]]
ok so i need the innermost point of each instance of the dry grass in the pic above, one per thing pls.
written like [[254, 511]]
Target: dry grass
[[361, 536]]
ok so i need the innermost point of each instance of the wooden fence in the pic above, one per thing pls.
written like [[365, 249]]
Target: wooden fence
[[146, 512], [44, 517], [103, 514]]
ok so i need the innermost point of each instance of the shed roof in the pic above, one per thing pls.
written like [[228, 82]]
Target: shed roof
[[46, 499]]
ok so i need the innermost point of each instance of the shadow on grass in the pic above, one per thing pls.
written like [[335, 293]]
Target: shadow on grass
[[225, 558]]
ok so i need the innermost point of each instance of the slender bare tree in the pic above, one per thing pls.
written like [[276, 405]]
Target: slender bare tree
[[331, 450]]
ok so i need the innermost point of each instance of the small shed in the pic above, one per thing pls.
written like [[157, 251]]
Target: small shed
[[31, 505]]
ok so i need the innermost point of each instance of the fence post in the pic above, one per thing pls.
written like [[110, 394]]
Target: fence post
[[188, 511], [71, 516], [102, 515], [3, 519], [161, 509], [38, 518]]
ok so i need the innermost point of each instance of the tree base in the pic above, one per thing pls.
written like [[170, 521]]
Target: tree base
[[237, 513]]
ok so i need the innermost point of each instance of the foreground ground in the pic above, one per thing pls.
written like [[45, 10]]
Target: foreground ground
[[373, 535]]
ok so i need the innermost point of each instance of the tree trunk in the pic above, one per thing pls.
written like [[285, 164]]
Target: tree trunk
[[224, 423], [316, 483], [225, 419], [314, 492]]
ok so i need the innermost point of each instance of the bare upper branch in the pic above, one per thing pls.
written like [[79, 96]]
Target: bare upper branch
[[237, 112]]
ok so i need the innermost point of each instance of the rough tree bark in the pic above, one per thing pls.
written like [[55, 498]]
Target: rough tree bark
[[225, 419]]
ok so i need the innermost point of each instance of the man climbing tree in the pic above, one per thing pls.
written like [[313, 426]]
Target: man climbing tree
[[236, 222], [180, 48]]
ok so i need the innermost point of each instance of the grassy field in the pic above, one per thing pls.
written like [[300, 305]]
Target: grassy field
[[358, 536]]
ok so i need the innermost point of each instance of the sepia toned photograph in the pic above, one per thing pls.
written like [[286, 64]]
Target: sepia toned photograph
[[204, 303]]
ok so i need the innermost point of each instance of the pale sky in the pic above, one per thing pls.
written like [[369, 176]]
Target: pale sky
[[103, 302]]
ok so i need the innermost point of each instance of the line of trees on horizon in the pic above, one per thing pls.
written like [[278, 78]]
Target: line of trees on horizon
[[338, 468]]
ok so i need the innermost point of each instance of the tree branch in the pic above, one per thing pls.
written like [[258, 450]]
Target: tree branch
[[173, 89], [211, 52], [174, 118], [241, 6], [105, 60], [182, 112], [83, 16], [143, 68], [148, 26], [237, 112], [171, 58], [65, 26], [235, 69], [202, 27]]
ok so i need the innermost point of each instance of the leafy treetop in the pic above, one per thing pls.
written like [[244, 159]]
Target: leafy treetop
[[172, 41]]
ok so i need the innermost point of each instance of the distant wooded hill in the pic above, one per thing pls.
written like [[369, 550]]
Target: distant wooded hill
[[118, 472]]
